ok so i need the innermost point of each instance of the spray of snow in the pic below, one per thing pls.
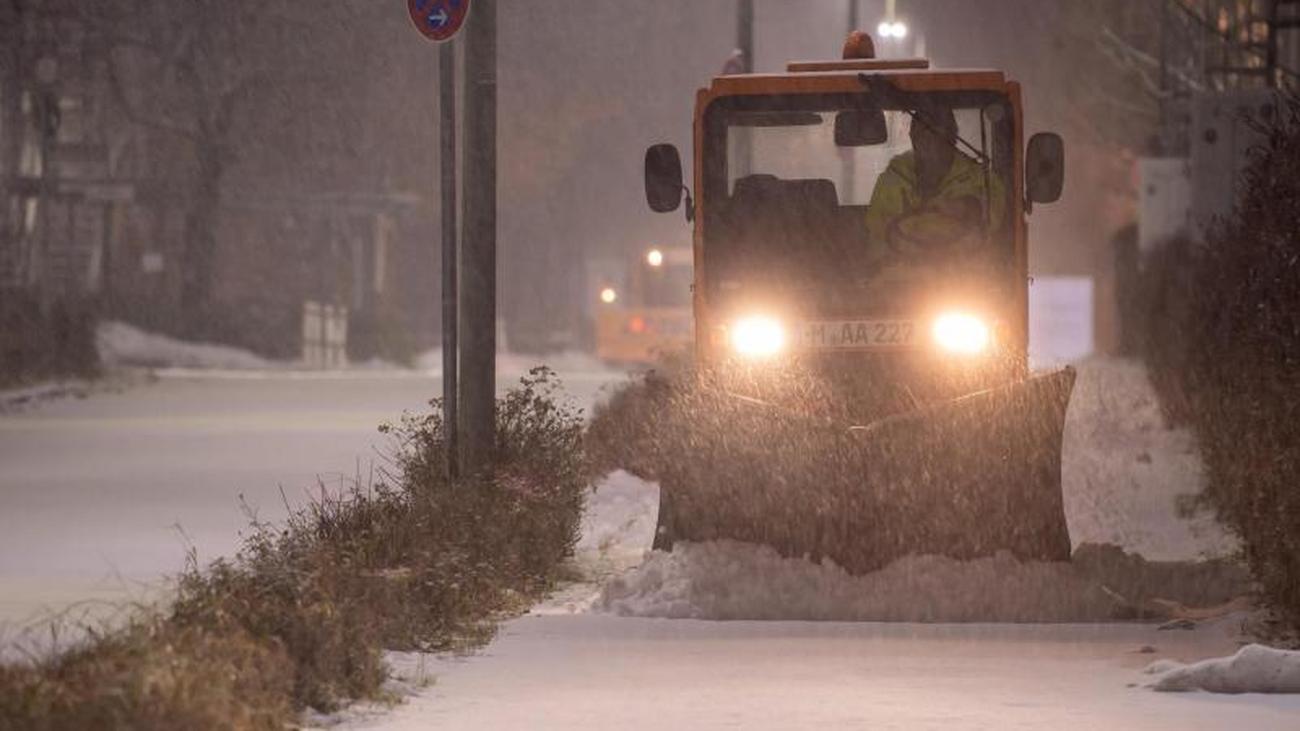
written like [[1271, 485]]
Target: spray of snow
[[1123, 469], [1253, 669], [1123, 473]]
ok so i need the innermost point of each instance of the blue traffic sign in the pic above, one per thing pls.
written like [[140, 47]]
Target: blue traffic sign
[[438, 20]]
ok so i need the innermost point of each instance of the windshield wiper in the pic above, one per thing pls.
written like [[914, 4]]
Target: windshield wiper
[[885, 90]]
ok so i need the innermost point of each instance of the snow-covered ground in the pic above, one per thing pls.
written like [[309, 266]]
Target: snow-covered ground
[[120, 344], [585, 659], [571, 664], [729, 580], [602, 672], [101, 496]]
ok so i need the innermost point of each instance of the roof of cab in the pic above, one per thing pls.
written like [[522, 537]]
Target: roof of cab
[[846, 80], [857, 64]]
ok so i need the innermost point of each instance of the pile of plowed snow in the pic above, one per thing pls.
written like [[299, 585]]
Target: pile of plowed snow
[[730, 580], [619, 523], [1254, 669], [120, 344]]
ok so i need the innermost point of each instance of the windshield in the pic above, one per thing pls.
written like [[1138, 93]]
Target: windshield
[[923, 189]]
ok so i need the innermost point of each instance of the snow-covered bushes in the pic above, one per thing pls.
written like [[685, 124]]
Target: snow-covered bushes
[[1223, 343], [299, 617]]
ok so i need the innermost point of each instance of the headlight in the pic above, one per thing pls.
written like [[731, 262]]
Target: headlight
[[958, 332], [757, 337]]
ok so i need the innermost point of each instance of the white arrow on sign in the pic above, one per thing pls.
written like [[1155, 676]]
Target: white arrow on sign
[[438, 18]]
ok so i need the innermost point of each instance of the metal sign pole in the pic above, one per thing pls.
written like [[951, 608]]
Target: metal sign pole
[[440, 21], [479, 263], [450, 265]]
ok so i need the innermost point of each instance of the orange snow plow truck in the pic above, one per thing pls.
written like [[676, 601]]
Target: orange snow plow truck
[[861, 387]]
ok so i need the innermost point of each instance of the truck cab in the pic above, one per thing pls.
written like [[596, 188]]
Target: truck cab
[[863, 216]]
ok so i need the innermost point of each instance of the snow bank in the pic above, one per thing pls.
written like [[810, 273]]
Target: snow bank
[[516, 364], [730, 580], [1254, 669], [619, 523], [121, 344], [1123, 470], [617, 529]]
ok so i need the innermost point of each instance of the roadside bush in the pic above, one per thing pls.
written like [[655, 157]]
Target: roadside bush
[[152, 675], [300, 616], [1223, 344]]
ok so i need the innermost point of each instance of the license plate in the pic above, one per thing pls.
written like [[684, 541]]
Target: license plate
[[857, 334]]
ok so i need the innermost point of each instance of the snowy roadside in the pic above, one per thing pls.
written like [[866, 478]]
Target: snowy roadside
[[15, 400], [123, 346]]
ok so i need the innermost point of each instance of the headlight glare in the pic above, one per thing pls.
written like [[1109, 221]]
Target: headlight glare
[[958, 332], [757, 337]]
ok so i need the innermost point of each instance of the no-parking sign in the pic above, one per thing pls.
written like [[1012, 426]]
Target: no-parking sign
[[438, 20]]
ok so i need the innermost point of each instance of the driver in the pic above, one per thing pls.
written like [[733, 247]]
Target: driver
[[930, 201]]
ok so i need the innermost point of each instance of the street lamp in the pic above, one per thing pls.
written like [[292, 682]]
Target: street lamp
[[892, 29]]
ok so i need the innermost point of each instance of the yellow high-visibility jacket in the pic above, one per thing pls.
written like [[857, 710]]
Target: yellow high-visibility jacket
[[897, 197]]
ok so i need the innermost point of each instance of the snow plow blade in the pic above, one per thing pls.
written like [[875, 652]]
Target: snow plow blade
[[963, 478]]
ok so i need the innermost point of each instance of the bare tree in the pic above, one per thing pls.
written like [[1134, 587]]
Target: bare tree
[[193, 73]]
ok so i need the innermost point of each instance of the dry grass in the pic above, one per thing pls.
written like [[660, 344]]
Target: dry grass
[[299, 617]]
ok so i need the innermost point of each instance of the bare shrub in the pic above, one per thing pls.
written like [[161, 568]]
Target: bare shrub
[[1223, 344]]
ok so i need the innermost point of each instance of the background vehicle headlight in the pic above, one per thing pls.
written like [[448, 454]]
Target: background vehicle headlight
[[757, 337], [958, 332]]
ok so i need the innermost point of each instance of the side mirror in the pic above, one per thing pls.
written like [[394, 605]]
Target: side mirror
[[860, 128], [1045, 168], [663, 178]]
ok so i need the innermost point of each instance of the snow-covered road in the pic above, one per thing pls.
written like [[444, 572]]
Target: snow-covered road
[[99, 497]]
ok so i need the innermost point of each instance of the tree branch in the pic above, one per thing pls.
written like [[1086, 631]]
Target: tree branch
[[133, 115]]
